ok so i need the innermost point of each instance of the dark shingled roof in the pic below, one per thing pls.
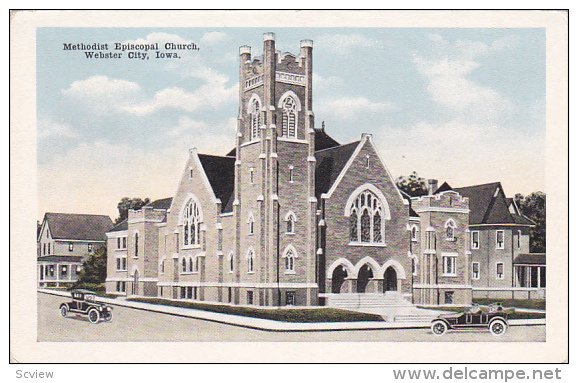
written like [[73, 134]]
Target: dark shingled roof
[[322, 141], [484, 207], [164, 203], [330, 163], [60, 258], [121, 226], [407, 197], [530, 259], [87, 227], [221, 174], [445, 187]]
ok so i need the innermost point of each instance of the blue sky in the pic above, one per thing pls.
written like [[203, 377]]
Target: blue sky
[[462, 105]]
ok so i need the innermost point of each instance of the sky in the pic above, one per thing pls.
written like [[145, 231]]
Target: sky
[[466, 106]]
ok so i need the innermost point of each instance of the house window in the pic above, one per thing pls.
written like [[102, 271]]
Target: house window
[[190, 173], [252, 175], [367, 161], [44, 249], [450, 230], [162, 266], [120, 286], [190, 265], [289, 117], [196, 266], [249, 297], [135, 245], [118, 243], [124, 242], [414, 233], [184, 265], [231, 263], [124, 263], [289, 261], [251, 224], [191, 224], [476, 270], [255, 119], [499, 239], [51, 270], [366, 219], [118, 264], [64, 270], [90, 247], [475, 240], [519, 239], [500, 270], [251, 261], [449, 265], [71, 246], [49, 249], [449, 297], [290, 173], [290, 298], [230, 294], [413, 266]]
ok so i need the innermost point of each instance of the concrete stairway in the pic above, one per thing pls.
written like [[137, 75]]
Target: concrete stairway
[[367, 301]]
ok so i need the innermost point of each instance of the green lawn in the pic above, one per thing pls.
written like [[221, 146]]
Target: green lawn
[[281, 314], [536, 304]]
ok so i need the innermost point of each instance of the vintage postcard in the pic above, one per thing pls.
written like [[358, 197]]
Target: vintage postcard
[[280, 180]]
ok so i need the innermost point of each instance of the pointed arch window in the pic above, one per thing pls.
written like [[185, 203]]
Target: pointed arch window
[[231, 263], [289, 261], [450, 230], [289, 117], [184, 265], [255, 119], [366, 219], [290, 220], [251, 261], [191, 224], [251, 224]]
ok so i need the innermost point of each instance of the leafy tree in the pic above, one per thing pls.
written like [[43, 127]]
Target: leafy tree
[[413, 185], [533, 206], [93, 268], [126, 204]]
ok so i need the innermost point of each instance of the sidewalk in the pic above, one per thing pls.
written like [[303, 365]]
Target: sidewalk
[[271, 325]]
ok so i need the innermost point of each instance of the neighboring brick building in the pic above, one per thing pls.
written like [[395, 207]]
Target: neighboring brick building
[[63, 242], [290, 216]]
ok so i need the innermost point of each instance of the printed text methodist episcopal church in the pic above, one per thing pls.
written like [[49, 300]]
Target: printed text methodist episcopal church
[[290, 216]]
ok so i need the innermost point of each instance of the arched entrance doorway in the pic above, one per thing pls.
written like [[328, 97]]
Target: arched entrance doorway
[[337, 279], [365, 273], [134, 290], [390, 279]]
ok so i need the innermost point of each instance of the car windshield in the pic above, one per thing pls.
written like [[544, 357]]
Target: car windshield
[[89, 298], [474, 310]]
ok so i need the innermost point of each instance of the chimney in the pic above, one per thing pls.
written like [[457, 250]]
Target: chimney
[[432, 186]]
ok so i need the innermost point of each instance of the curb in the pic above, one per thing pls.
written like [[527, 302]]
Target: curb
[[271, 325]]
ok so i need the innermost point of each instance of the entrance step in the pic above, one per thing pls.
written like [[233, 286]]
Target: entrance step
[[367, 301]]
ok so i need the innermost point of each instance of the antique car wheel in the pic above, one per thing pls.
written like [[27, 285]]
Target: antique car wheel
[[108, 316], [63, 311], [93, 316], [439, 327], [498, 327]]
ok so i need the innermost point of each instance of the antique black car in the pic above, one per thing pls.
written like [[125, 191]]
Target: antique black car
[[492, 317], [84, 303]]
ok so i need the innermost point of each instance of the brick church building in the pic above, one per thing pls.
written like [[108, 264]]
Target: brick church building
[[291, 216]]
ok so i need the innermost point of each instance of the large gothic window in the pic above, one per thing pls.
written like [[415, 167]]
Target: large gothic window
[[289, 117], [255, 119], [366, 215], [192, 224]]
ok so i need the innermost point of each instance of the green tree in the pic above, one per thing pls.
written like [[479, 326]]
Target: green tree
[[533, 206], [414, 185], [126, 204], [93, 268]]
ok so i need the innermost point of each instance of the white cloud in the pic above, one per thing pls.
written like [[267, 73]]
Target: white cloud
[[349, 107], [342, 43], [49, 128], [212, 38], [465, 154], [322, 83], [449, 82], [103, 93]]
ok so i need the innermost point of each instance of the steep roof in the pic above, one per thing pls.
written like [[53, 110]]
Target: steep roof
[[121, 226], [221, 174], [164, 203], [330, 163], [407, 197], [487, 204], [87, 227], [445, 187], [322, 141]]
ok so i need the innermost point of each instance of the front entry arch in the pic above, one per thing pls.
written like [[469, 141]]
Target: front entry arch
[[390, 279], [363, 277], [338, 279]]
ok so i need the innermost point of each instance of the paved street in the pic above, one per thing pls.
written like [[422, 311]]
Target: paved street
[[138, 325]]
